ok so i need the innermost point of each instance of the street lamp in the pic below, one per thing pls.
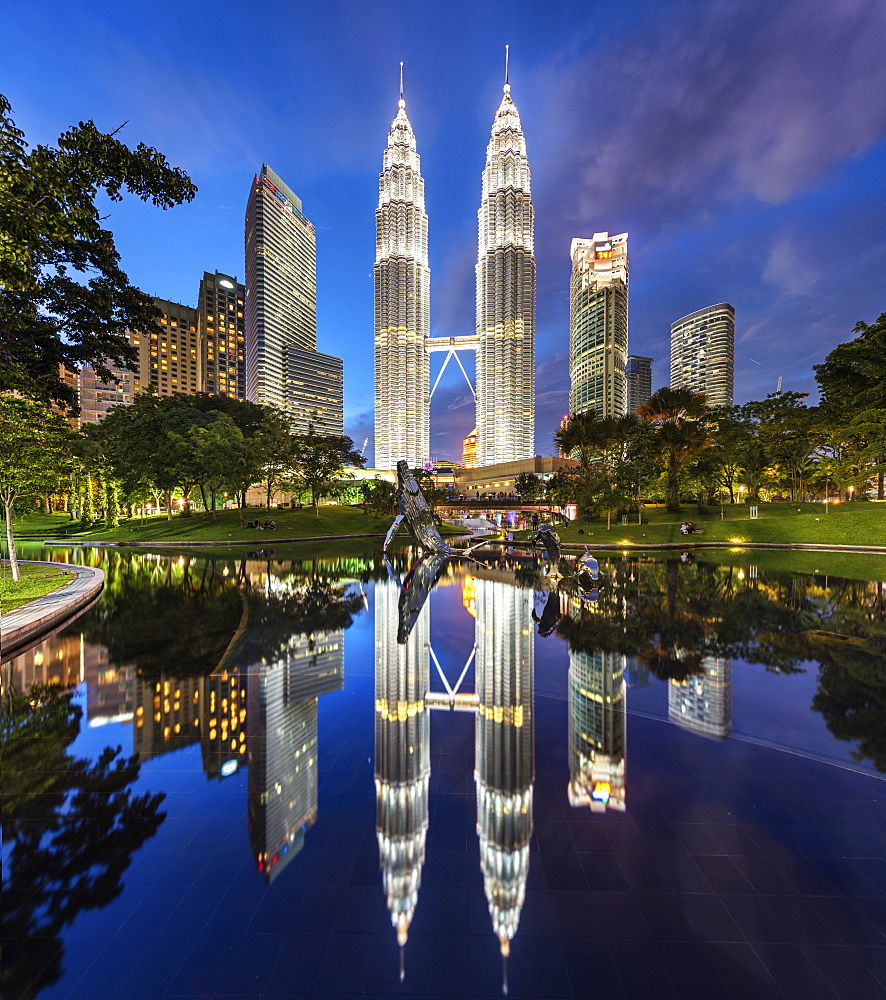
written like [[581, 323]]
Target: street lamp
[[851, 491]]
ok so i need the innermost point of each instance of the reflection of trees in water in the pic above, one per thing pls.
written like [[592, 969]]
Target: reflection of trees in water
[[294, 599], [180, 613], [157, 612], [70, 828], [852, 681], [671, 616]]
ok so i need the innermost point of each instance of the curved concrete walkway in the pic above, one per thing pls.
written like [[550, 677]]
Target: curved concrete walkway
[[31, 622]]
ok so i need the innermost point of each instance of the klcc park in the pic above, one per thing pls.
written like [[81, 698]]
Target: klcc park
[[525, 639]]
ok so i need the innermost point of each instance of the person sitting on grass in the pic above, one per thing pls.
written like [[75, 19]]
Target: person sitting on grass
[[249, 524]]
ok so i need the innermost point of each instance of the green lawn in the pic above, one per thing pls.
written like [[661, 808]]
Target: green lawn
[[36, 581], [40, 525], [333, 520], [779, 523]]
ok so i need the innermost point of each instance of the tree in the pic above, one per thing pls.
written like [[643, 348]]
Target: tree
[[319, 463], [226, 461], [528, 486], [731, 434], [379, 496], [852, 380], [64, 300], [275, 449], [678, 415], [141, 450], [70, 829], [35, 454]]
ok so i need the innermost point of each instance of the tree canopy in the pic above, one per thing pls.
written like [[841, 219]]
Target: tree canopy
[[64, 298]]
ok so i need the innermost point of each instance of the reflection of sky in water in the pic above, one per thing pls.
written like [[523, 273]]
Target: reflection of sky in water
[[213, 922], [774, 709]]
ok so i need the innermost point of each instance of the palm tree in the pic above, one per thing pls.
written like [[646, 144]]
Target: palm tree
[[680, 433], [679, 405], [598, 443]]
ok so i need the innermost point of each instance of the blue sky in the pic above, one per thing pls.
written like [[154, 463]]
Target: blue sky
[[741, 144]]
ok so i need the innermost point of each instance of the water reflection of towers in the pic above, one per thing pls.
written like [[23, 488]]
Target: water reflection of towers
[[504, 758], [703, 703], [402, 756], [504, 750], [597, 730], [282, 740]]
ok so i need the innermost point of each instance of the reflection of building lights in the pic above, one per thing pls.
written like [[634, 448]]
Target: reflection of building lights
[[601, 791]]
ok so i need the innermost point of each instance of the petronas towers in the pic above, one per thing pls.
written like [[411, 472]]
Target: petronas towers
[[505, 326]]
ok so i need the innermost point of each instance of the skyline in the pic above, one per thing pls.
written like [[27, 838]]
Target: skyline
[[741, 146]]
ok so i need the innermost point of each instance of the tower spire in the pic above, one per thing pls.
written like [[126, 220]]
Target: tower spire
[[507, 87], [402, 102]]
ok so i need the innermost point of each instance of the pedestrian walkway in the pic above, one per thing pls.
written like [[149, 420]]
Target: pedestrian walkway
[[33, 621]]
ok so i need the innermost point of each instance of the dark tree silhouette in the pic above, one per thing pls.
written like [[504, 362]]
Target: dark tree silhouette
[[70, 829]]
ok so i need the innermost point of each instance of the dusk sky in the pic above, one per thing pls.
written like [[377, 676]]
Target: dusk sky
[[742, 145]]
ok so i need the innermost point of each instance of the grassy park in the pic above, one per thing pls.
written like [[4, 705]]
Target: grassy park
[[777, 523], [36, 581]]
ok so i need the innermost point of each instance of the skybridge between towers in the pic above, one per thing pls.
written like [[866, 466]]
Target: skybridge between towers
[[452, 345]]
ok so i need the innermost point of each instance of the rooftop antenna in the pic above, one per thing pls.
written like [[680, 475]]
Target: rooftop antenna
[[402, 102], [507, 80]]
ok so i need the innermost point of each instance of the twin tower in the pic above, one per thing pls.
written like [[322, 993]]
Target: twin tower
[[504, 338]]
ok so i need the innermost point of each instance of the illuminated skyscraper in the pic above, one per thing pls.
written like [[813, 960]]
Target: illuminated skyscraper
[[402, 755], [314, 390], [703, 703], [506, 296], [402, 303], [504, 762], [598, 325], [703, 353], [221, 304], [169, 357], [281, 293]]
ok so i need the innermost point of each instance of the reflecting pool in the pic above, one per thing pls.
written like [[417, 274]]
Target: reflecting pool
[[265, 775]]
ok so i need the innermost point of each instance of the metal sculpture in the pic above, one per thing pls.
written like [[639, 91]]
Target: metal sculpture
[[414, 511], [550, 540]]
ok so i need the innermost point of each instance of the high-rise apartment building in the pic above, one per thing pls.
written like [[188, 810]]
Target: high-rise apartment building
[[313, 384], [402, 303], [98, 396], [221, 303], [169, 356], [703, 353], [598, 325], [638, 379], [506, 296]]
